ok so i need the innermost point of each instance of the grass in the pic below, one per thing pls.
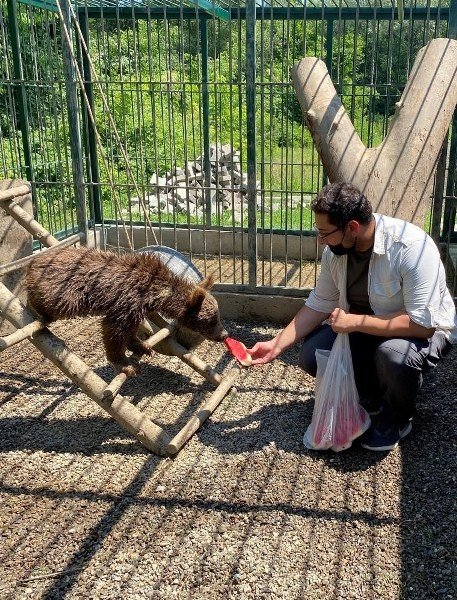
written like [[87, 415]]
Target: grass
[[298, 219]]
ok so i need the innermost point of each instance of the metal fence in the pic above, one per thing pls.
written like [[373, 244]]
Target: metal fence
[[176, 122]]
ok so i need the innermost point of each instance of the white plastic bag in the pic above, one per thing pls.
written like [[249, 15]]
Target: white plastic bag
[[338, 417]]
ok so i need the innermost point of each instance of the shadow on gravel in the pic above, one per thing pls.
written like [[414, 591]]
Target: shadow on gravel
[[428, 497], [97, 434], [283, 426], [86, 436]]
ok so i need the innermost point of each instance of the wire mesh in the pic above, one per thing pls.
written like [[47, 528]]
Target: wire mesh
[[170, 82]]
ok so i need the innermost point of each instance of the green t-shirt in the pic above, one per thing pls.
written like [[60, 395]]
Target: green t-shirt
[[357, 282]]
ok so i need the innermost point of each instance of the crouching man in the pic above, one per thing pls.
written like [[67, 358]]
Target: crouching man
[[401, 320]]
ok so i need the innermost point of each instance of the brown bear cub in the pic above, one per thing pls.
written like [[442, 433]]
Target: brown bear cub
[[77, 282]]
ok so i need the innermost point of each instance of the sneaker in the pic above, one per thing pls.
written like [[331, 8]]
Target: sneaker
[[373, 406], [385, 434]]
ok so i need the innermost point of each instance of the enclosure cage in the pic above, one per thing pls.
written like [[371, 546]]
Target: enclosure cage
[[176, 122]]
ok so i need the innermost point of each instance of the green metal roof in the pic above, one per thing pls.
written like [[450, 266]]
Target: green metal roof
[[224, 9], [207, 6]]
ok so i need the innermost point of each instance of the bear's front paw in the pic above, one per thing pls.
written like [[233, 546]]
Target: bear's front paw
[[130, 367], [145, 349], [139, 347]]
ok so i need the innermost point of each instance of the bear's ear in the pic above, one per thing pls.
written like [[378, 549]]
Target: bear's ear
[[196, 300], [207, 283]]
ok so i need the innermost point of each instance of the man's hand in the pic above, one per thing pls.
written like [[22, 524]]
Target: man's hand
[[343, 322], [264, 352]]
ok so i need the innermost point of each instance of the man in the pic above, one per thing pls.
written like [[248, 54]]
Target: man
[[401, 319]]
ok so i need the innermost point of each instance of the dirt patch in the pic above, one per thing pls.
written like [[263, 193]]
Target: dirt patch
[[244, 511]]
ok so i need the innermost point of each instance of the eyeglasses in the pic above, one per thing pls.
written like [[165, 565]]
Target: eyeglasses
[[322, 237]]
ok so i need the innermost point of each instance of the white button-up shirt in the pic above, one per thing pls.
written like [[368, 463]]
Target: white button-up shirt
[[405, 274]]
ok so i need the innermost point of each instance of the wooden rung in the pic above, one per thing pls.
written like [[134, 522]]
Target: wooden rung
[[186, 356], [184, 435], [163, 333], [195, 362], [14, 192], [22, 262], [114, 387], [21, 334]]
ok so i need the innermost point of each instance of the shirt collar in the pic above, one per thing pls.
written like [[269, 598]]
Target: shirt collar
[[380, 235]]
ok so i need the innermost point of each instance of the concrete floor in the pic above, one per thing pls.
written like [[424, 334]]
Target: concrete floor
[[235, 270]]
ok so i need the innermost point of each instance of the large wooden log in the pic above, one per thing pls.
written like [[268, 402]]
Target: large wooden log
[[126, 414], [397, 176]]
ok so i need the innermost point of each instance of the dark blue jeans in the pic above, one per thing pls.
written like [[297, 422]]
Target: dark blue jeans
[[386, 369]]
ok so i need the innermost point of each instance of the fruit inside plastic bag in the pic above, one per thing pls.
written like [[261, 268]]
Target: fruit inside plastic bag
[[338, 418]]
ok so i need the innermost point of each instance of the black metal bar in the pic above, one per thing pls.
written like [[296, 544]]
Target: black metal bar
[[73, 120], [251, 141], [452, 27], [205, 116], [90, 140], [20, 89], [449, 216], [329, 62]]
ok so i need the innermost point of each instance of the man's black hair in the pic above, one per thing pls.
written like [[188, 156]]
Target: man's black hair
[[343, 202]]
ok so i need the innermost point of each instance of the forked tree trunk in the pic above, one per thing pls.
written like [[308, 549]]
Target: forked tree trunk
[[397, 176]]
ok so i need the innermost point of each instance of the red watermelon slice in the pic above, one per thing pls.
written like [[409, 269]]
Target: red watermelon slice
[[238, 349]]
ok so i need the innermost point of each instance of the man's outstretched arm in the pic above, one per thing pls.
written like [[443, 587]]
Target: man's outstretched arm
[[301, 325]]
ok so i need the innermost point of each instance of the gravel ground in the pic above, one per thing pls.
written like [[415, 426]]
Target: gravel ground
[[244, 511]]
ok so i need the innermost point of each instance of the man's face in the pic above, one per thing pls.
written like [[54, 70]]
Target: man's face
[[328, 233]]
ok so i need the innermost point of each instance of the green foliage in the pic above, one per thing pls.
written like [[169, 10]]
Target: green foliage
[[151, 75]]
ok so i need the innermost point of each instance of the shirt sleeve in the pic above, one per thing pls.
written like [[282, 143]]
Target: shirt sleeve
[[325, 296], [421, 272]]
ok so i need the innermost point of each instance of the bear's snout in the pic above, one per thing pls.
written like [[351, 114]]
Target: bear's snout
[[224, 334]]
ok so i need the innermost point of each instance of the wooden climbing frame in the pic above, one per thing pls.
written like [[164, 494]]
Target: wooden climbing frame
[[107, 396]]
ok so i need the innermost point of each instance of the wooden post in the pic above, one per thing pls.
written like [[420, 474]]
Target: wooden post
[[16, 243], [397, 176]]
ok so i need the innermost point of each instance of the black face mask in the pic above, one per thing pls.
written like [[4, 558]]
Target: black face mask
[[340, 250]]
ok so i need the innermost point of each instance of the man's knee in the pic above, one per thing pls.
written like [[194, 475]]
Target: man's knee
[[307, 359], [394, 355], [322, 337]]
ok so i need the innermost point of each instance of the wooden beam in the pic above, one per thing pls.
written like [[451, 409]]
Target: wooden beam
[[396, 176], [175, 349], [23, 262], [29, 223], [14, 192]]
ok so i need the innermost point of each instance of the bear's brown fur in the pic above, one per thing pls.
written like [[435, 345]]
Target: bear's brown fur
[[77, 282]]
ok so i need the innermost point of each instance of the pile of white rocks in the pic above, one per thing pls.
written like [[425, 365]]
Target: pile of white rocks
[[182, 190]]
